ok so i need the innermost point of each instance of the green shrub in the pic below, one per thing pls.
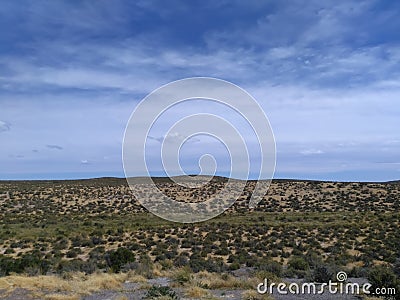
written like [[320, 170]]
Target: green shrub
[[181, 261], [322, 274], [298, 267], [197, 263], [76, 265], [9, 265], [183, 276], [269, 265], [358, 272], [383, 276], [116, 259], [215, 265], [9, 251], [234, 266], [298, 263], [34, 263], [74, 252], [164, 292], [144, 267], [396, 268]]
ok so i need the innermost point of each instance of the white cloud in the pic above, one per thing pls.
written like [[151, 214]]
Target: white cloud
[[173, 137], [4, 126], [311, 151]]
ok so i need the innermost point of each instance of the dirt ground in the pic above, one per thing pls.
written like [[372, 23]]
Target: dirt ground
[[135, 291]]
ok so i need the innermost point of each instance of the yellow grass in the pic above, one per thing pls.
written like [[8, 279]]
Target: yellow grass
[[217, 281], [61, 297], [77, 283], [158, 271], [121, 298], [196, 292], [253, 295]]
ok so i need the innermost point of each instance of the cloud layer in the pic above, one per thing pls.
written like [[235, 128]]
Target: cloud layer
[[325, 72]]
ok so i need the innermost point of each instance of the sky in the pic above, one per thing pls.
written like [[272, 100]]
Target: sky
[[326, 73]]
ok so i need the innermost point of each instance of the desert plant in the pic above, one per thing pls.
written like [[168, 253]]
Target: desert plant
[[164, 292], [182, 275], [384, 277], [116, 259], [181, 261], [322, 273], [269, 265]]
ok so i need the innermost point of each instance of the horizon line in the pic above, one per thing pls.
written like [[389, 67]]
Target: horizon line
[[194, 175]]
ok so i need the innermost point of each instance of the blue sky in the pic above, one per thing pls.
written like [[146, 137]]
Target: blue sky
[[327, 74]]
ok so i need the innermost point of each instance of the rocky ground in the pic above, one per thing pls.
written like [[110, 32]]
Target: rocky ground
[[136, 291]]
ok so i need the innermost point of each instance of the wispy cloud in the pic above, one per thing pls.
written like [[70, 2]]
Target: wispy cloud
[[173, 137], [56, 147], [4, 126], [311, 151]]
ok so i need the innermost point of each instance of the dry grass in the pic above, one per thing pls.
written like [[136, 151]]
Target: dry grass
[[131, 276], [221, 281], [61, 297], [122, 297], [76, 283], [158, 271], [253, 295], [197, 292]]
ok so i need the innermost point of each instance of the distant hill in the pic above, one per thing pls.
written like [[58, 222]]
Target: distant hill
[[394, 182], [119, 180]]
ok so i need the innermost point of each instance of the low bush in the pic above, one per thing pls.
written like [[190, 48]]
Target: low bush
[[163, 292], [115, 259], [269, 265], [322, 273], [298, 263], [384, 277], [182, 276]]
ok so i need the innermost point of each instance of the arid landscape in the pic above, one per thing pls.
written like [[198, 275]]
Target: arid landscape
[[91, 239], [199, 150]]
